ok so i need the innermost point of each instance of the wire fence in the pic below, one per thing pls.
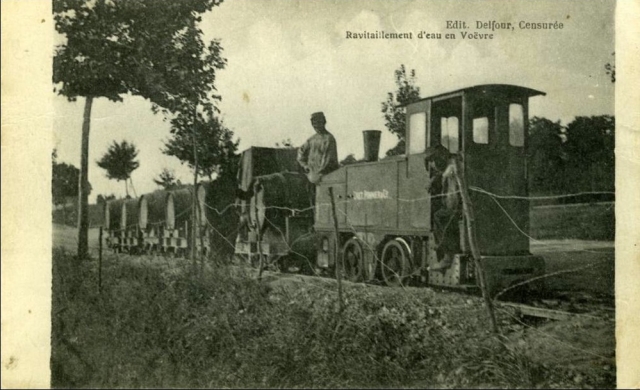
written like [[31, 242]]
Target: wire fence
[[227, 239]]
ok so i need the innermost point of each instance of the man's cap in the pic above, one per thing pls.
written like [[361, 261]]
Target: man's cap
[[317, 115]]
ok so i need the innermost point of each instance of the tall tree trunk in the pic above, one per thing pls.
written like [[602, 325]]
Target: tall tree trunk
[[126, 188], [135, 194], [194, 197], [83, 184]]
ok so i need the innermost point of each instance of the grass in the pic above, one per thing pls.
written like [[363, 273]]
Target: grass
[[222, 328], [584, 221], [68, 215]]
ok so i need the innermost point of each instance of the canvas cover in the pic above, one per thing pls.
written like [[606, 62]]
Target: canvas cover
[[155, 207], [182, 201], [278, 195], [257, 161]]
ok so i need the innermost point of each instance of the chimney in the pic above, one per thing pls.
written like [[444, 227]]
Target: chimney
[[371, 144]]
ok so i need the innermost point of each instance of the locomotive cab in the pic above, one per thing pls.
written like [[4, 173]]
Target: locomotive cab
[[486, 126], [385, 214]]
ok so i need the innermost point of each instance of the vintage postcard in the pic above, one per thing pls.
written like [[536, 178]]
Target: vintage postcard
[[381, 187]]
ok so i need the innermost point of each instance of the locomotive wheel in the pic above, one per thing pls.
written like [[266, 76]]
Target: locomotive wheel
[[395, 263], [352, 260]]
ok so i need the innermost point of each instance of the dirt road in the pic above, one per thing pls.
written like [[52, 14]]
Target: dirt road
[[67, 237]]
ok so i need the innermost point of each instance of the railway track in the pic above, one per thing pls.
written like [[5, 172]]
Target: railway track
[[550, 305], [524, 310]]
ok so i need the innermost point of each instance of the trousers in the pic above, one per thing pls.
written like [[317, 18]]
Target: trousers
[[447, 231]]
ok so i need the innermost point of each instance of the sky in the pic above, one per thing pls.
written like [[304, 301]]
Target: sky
[[288, 59]]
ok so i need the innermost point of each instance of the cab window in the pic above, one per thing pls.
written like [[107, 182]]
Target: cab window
[[449, 128], [417, 133], [481, 130], [516, 125]]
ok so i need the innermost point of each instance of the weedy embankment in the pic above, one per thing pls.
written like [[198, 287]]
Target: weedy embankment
[[222, 328]]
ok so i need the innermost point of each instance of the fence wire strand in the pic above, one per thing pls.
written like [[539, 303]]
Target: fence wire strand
[[366, 246]]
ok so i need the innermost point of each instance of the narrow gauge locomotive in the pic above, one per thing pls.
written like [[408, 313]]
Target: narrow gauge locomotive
[[386, 216]]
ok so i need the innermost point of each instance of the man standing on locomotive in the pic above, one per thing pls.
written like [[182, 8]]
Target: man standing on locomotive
[[319, 154], [443, 183]]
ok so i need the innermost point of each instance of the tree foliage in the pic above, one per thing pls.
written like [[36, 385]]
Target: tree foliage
[[591, 149], [573, 159], [101, 199], [591, 139], [214, 146], [64, 180], [394, 116], [546, 154], [350, 159], [151, 48], [120, 161], [166, 179]]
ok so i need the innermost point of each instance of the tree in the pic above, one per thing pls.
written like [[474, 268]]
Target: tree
[[590, 147], [149, 48], [202, 141], [64, 180], [546, 155], [394, 116], [101, 199], [209, 142], [350, 159], [120, 161], [166, 179], [64, 184]]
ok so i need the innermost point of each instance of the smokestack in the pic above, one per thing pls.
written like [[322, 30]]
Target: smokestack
[[371, 144]]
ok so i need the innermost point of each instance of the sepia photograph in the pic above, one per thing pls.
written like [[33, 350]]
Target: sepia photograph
[[320, 194]]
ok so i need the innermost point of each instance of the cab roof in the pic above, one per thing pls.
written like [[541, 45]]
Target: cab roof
[[488, 89]]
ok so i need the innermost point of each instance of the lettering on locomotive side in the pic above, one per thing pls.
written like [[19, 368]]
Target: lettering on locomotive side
[[364, 195]]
